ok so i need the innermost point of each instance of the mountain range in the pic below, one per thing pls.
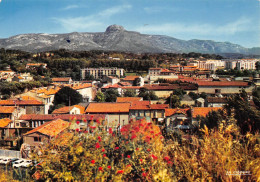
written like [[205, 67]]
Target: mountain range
[[116, 38]]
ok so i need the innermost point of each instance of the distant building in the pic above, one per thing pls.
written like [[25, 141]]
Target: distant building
[[62, 80], [98, 73], [241, 64]]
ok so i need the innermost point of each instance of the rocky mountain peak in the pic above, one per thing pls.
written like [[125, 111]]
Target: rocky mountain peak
[[115, 28]]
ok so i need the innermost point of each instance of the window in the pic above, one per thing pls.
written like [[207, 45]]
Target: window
[[37, 139], [38, 109]]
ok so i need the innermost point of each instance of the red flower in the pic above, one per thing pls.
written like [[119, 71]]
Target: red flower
[[133, 137], [120, 172], [97, 145], [142, 169], [77, 122], [85, 131], [148, 150], [109, 167], [128, 165], [98, 122], [110, 130], [84, 120], [144, 174], [104, 155], [154, 157], [93, 161], [99, 138], [137, 148], [100, 168], [169, 162], [116, 148], [77, 130], [166, 158], [128, 156], [91, 117], [141, 160], [103, 150], [151, 131]]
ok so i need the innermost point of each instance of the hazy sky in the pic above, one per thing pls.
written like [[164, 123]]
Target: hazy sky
[[236, 21]]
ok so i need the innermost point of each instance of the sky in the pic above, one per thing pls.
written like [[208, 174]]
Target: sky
[[236, 21]]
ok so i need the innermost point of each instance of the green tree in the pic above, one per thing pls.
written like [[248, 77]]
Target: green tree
[[111, 95], [257, 65], [100, 97], [174, 101], [130, 93], [147, 95], [67, 96]]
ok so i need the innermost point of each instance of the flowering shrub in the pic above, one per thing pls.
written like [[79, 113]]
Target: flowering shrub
[[139, 152]]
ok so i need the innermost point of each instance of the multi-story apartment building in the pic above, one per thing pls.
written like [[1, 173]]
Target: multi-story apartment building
[[241, 64], [100, 72], [211, 64]]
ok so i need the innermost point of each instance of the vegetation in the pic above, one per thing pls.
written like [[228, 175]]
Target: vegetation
[[140, 152], [13, 88], [237, 73], [67, 96], [100, 97], [130, 93], [111, 95], [147, 95]]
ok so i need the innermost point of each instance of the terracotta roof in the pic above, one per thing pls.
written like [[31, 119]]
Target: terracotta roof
[[7, 109], [132, 87], [155, 68], [217, 99], [108, 108], [66, 117], [171, 87], [222, 83], [131, 78], [67, 109], [170, 112], [128, 99], [28, 98], [125, 83], [145, 105], [51, 128], [19, 102], [4, 122], [61, 79], [112, 86], [203, 111]]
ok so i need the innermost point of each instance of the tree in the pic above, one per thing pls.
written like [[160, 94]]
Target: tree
[[130, 93], [67, 96], [111, 95], [179, 92], [147, 95], [193, 95], [257, 65], [211, 120], [100, 97], [174, 101]]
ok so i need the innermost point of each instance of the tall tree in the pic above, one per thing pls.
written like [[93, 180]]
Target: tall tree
[[67, 96]]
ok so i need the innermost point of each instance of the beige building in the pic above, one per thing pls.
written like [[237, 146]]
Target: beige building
[[117, 113], [100, 72]]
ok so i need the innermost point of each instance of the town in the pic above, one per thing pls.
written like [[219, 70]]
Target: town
[[42, 93]]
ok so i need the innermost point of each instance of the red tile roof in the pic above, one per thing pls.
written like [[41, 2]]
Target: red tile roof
[[108, 108], [20, 102], [7, 109], [170, 112], [131, 78], [61, 79], [223, 83], [51, 128], [4, 122], [128, 99], [145, 105], [67, 109], [203, 111], [171, 87], [66, 117]]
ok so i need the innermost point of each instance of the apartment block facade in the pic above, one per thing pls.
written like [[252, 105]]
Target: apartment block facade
[[100, 72]]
